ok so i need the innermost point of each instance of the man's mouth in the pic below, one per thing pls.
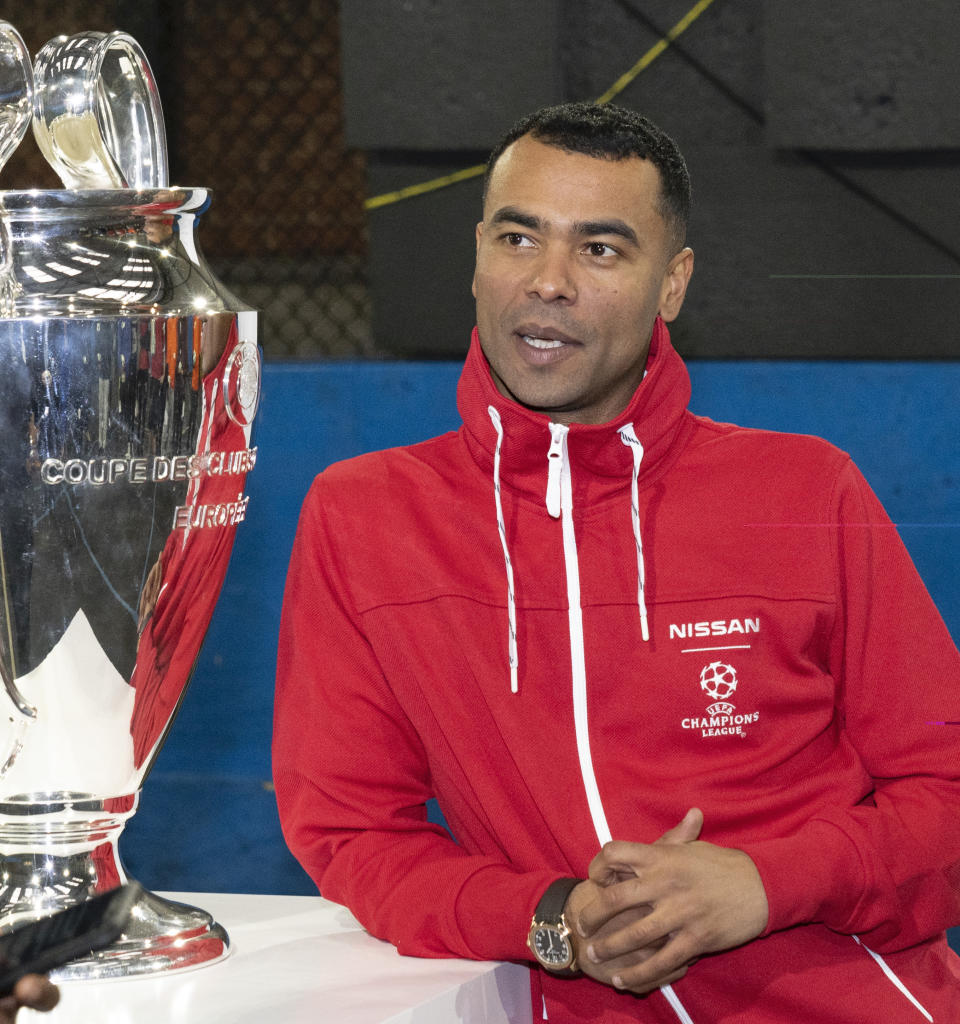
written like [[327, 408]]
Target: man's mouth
[[544, 337], [542, 342]]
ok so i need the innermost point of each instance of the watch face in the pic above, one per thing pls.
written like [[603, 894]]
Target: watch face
[[551, 948]]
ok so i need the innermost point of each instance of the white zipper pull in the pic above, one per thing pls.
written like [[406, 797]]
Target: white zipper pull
[[554, 467]]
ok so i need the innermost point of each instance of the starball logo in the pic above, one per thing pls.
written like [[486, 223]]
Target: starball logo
[[719, 681]]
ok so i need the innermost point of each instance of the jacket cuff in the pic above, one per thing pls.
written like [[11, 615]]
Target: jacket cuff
[[494, 909], [815, 875]]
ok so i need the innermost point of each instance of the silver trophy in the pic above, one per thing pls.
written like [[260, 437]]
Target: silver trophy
[[130, 379]]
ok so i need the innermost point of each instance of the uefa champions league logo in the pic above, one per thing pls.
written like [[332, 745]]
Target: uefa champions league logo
[[718, 680]]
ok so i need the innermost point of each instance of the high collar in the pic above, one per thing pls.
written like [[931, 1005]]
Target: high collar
[[602, 464]]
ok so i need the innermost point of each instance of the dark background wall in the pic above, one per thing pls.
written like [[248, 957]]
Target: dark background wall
[[823, 141]]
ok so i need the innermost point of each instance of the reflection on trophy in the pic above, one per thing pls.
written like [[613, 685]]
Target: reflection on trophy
[[130, 381]]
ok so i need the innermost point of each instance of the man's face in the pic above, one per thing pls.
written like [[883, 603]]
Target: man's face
[[573, 264]]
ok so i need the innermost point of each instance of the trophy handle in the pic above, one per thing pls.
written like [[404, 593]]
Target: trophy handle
[[97, 116]]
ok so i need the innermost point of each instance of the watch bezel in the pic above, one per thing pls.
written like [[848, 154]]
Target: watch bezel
[[563, 934]]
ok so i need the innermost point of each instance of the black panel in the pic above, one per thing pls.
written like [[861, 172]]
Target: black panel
[[424, 75], [421, 260], [793, 262], [863, 76]]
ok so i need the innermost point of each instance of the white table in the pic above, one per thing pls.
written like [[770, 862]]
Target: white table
[[300, 960]]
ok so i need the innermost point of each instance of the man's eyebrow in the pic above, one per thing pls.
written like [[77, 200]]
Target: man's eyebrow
[[606, 227], [511, 215]]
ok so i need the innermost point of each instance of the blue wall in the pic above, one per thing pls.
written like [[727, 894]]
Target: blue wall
[[208, 821]]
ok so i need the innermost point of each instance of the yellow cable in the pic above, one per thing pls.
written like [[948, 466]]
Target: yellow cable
[[424, 186], [386, 198], [651, 55]]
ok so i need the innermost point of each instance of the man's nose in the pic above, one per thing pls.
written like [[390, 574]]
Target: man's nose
[[553, 277]]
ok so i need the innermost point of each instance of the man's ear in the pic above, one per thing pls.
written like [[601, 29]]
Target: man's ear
[[473, 287], [675, 281]]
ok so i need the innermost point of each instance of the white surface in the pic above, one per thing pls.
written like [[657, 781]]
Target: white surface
[[300, 959]]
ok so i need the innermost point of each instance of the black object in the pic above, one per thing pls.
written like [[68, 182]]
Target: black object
[[37, 947]]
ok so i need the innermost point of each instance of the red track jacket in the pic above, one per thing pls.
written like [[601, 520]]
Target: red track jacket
[[465, 618]]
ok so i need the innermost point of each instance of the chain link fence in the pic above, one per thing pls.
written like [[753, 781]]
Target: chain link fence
[[252, 102]]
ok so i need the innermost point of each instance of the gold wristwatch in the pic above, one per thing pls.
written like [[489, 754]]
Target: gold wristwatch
[[549, 938]]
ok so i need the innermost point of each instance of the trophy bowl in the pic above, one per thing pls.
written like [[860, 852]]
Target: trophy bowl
[[130, 381]]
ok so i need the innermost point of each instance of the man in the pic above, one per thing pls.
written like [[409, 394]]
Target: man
[[670, 680]]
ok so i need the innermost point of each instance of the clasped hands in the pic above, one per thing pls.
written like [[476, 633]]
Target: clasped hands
[[648, 911]]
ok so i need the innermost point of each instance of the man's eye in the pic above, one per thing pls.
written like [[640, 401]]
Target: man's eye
[[601, 249], [516, 239]]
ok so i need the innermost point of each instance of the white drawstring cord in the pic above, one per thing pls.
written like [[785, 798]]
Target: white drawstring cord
[[502, 529], [630, 439]]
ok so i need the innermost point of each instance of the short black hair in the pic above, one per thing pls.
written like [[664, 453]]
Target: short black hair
[[609, 132]]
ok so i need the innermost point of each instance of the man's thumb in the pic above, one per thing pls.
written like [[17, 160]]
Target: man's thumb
[[686, 832]]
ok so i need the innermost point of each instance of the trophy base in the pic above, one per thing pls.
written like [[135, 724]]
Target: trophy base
[[68, 853], [162, 936]]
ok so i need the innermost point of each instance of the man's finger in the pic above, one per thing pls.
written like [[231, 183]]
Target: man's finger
[[610, 901], [663, 968], [686, 831], [652, 930], [605, 972], [618, 859], [640, 988]]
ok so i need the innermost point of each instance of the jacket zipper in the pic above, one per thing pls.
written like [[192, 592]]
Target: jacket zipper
[[892, 977], [560, 504]]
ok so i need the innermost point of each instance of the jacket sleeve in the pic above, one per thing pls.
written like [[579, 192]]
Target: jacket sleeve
[[352, 779], [888, 869]]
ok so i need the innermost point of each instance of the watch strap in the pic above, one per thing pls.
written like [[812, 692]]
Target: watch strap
[[550, 908]]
